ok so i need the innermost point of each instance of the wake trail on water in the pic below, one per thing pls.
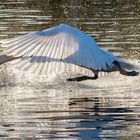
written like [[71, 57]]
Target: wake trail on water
[[10, 76]]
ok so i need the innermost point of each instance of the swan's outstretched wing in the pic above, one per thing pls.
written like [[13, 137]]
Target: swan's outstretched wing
[[41, 51], [44, 51]]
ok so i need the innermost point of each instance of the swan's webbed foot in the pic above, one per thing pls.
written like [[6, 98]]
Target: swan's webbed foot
[[124, 72], [82, 78]]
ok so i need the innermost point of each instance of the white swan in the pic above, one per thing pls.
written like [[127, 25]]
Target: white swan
[[62, 43]]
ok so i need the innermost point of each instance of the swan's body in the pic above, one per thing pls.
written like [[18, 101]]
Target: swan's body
[[62, 43]]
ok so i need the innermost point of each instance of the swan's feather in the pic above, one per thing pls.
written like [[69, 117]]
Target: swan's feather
[[49, 50]]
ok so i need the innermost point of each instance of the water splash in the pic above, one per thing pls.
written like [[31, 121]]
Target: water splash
[[11, 76]]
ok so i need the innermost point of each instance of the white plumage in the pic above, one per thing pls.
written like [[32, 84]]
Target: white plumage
[[49, 49]]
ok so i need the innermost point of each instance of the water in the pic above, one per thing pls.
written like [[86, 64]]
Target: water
[[108, 108]]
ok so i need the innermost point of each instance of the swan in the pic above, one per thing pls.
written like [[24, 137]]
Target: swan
[[62, 43]]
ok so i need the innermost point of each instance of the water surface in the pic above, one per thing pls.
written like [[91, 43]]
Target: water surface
[[108, 108]]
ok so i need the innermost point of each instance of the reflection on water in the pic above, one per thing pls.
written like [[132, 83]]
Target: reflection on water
[[107, 108], [71, 114]]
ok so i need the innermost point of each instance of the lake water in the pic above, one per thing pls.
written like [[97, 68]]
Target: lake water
[[104, 109]]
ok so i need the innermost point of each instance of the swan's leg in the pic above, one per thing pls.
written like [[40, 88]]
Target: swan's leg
[[124, 72], [95, 73], [82, 78], [4, 58]]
